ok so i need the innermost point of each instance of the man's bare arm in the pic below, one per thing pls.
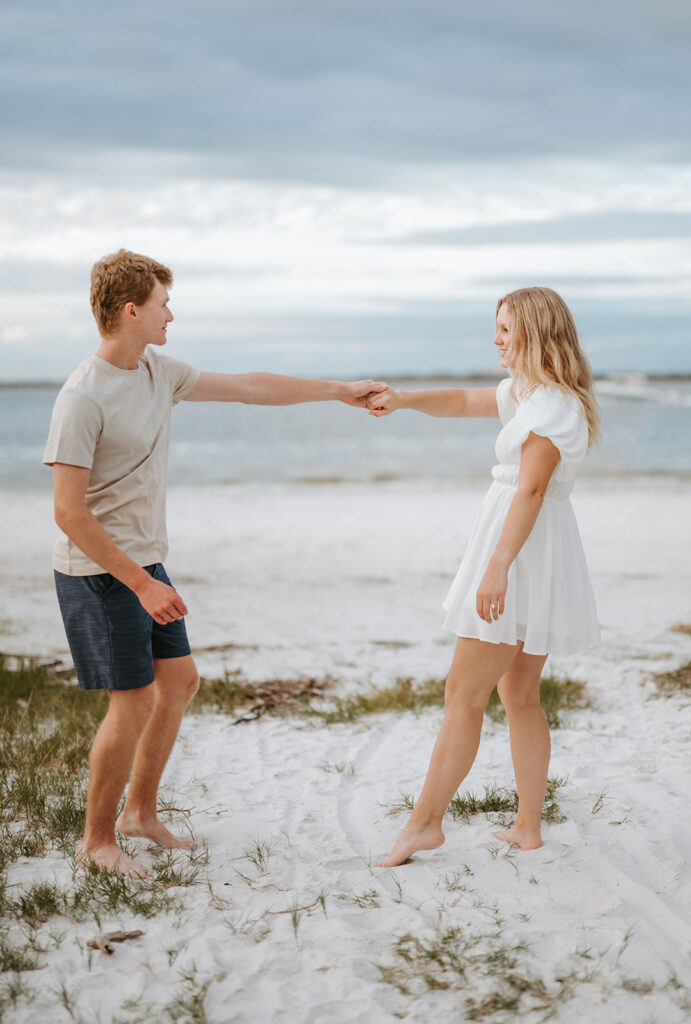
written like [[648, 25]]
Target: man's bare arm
[[276, 389], [74, 518]]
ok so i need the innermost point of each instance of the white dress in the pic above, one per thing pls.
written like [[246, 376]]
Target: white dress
[[549, 601]]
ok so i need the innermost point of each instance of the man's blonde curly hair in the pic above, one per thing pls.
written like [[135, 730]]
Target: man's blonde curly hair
[[122, 277]]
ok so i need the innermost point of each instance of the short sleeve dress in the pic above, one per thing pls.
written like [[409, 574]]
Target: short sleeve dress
[[549, 602]]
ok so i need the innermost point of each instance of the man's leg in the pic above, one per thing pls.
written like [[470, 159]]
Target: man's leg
[[110, 762], [175, 684]]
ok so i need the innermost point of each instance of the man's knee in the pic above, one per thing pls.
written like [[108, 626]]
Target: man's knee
[[133, 706], [178, 682], [191, 686]]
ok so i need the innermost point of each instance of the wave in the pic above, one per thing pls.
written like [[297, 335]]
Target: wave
[[643, 387]]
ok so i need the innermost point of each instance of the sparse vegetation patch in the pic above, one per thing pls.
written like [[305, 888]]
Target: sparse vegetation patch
[[255, 699], [499, 801], [677, 682], [487, 971]]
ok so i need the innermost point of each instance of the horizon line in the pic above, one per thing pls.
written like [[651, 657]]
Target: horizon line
[[474, 375]]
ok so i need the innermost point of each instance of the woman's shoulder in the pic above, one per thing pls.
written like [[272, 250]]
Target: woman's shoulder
[[549, 395], [551, 412]]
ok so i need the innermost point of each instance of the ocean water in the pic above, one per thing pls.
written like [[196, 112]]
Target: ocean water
[[646, 424]]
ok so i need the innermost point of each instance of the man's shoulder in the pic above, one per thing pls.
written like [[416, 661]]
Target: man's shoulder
[[83, 382], [160, 363]]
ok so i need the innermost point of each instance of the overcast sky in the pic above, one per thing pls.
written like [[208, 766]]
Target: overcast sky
[[347, 187]]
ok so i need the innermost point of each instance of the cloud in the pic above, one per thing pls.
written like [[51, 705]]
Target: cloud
[[344, 92], [324, 177], [615, 225]]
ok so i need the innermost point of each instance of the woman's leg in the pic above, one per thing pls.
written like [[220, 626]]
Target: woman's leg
[[519, 691], [475, 671]]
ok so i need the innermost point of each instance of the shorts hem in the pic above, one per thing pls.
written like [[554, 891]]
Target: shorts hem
[[114, 689], [171, 657]]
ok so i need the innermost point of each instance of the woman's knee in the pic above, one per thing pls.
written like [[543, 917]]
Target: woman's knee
[[517, 697], [458, 698]]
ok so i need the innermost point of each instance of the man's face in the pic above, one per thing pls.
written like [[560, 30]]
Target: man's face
[[154, 316]]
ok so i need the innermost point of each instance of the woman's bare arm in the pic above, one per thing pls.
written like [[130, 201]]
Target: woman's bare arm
[[449, 402], [539, 459]]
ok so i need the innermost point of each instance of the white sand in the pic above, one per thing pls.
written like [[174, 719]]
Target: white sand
[[312, 581]]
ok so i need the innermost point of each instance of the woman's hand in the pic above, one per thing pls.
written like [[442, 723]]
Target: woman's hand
[[383, 403], [489, 602], [360, 391]]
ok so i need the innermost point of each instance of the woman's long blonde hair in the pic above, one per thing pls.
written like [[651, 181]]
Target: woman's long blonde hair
[[546, 349]]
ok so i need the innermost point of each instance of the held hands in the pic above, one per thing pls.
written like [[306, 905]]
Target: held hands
[[359, 392], [489, 602], [383, 402], [163, 603]]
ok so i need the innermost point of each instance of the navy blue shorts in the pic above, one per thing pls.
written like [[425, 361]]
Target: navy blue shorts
[[113, 639]]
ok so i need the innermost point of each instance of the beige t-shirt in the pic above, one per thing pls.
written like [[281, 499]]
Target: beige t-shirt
[[117, 424]]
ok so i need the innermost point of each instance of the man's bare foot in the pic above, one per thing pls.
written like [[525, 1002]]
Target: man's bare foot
[[527, 839], [153, 829], [109, 858], [412, 838]]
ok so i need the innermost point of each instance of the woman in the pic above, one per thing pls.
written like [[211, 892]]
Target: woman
[[522, 591]]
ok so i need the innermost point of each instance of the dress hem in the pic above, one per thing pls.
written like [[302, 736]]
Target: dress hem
[[556, 652]]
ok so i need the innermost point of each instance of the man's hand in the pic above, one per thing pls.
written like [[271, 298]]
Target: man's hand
[[384, 402], [163, 603], [360, 391]]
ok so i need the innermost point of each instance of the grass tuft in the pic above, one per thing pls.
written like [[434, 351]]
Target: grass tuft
[[363, 900], [402, 696], [189, 1006], [46, 730], [556, 696], [15, 959], [484, 970], [14, 988], [495, 800], [502, 801], [39, 902], [674, 683]]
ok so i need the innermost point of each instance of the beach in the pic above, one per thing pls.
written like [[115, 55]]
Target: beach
[[289, 918], [306, 203]]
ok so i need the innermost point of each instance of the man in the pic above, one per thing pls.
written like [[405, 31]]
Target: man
[[108, 446]]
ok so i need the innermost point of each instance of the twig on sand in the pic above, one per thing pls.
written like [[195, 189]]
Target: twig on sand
[[105, 941], [274, 695]]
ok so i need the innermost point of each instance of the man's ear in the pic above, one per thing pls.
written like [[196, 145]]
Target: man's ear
[[129, 311]]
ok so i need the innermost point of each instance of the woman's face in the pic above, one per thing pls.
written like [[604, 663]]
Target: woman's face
[[503, 338]]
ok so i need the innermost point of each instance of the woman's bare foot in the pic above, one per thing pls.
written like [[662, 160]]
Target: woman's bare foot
[[413, 838], [109, 858], [153, 829], [527, 839]]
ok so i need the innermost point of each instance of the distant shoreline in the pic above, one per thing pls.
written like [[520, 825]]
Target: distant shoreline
[[625, 376]]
